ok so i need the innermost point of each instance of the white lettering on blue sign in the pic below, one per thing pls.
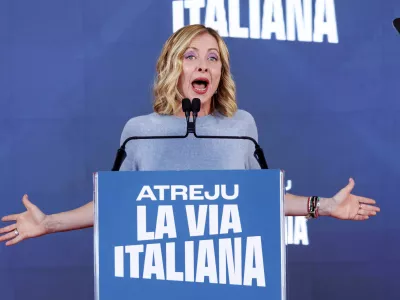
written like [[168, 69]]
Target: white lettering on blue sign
[[284, 20]]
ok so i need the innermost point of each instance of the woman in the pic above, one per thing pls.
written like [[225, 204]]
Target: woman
[[194, 63]]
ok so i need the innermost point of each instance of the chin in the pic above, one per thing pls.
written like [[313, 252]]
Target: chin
[[203, 98]]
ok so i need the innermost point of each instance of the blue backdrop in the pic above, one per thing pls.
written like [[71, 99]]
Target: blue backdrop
[[321, 81]]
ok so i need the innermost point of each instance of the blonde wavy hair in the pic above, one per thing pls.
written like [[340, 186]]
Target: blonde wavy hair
[[167, 98]]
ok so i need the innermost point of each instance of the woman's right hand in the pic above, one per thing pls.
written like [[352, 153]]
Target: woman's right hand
[[28, 224]]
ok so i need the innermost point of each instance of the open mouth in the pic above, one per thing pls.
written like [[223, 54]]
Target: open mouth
[[200, 85]]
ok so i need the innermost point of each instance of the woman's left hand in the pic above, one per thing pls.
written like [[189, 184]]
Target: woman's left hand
[[347, 206]]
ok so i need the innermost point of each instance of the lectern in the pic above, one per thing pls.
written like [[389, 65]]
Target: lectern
[[199, 235]]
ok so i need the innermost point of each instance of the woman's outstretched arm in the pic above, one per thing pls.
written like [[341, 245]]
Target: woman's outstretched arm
[[34, 223]]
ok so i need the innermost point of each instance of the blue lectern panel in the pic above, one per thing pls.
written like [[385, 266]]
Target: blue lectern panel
[[190, 235]]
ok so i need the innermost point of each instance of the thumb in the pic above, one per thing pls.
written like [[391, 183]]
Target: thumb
[[349, 187], [28, 204]]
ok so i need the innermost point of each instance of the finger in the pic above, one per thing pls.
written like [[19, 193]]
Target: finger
[[7, 236], [8, 228], [361, 218], [366, 200], [349, 187], [28, 204], [10, 218], [370, 207], [364, 212], [17, 239]]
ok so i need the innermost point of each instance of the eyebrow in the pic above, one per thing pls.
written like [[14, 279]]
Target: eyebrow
[[208, 49]]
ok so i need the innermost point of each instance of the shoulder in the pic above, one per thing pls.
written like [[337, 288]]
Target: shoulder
[[246, 121], [153, 124], [142, 120], [139, 125], [242, 121], [136, 124], [244, 116]]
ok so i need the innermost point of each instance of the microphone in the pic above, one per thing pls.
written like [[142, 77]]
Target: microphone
[[194, 108], [396, 24], [258, 152], [187, 108], [121, 153]]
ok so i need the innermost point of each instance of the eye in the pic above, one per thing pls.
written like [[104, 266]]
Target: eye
[[190, 56], [213, 58]]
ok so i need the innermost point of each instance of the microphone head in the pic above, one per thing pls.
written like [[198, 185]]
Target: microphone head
[[186, 105], [196, 105], [396, 24]]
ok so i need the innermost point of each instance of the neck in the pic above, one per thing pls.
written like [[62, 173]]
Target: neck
[[204, 111]]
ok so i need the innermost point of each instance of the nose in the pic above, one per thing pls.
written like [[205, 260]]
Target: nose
[[202, 67]]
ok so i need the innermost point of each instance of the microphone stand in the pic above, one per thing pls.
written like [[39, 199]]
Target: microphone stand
[[188, 107], [258, 152], [121, 153]]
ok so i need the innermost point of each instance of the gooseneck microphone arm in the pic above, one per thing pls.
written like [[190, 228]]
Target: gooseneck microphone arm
[[258, 152], [188, 107], [121, 153]]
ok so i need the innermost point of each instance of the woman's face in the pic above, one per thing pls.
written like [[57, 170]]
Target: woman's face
[[201, 70]]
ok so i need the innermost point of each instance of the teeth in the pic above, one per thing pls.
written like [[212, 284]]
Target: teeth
[[200, 90]]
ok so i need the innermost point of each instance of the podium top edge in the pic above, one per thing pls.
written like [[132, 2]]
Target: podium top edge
[[195, 171]]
